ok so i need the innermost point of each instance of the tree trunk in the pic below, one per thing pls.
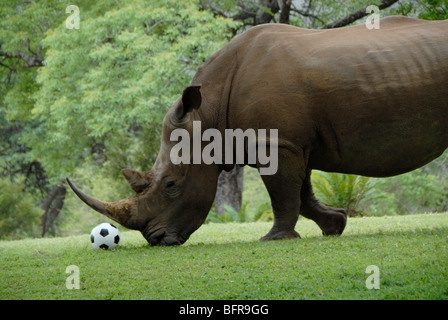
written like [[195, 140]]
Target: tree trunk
[[352, 17], [264, 16], [52, 205], [230, 189]]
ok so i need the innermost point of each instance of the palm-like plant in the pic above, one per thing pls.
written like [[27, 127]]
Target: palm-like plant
[[262, 213], [344, 190]]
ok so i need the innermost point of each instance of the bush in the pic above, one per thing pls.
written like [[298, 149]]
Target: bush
[[414, 192], [344, 190], [19, 217], [262, 213]]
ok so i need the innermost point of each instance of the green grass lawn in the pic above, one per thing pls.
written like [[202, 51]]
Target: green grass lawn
[[226, 261]]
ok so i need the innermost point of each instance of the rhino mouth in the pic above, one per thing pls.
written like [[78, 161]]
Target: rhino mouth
[[161, 237]]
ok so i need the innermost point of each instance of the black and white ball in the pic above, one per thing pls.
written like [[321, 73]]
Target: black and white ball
[[105, 236]]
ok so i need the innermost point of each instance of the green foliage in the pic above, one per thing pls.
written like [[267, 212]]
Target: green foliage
[[229, 215], [434, 10], [23, 25], [411, 193], [19, 216], [108, 83], [421, 190], [344, 190], [256, 204], [262, 213], [423, 9], [112, 81]]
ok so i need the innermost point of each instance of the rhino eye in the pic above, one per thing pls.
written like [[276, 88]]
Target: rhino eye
[[170, 184]]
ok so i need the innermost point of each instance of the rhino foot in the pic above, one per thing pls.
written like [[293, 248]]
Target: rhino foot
[[333, 222], [280, 235]]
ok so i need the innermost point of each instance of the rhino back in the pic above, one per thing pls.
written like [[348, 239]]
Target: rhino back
[[384, 98], [370, 102]]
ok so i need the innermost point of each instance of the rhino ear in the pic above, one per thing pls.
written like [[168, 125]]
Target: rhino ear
[[191, 99], [137, 180]]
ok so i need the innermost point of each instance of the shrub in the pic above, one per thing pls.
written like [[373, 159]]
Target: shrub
[[19, 217], [262, 213], [413, 192], [344, 190]]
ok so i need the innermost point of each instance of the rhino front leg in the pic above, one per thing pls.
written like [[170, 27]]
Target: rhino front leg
[[331, 220], [284, 190]]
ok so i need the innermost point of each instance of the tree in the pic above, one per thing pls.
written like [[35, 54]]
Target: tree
[[19, 215], [308, 13], [96, 95], [51, 206], [22, 28], [434, 10], [230, 190], [111, 82]]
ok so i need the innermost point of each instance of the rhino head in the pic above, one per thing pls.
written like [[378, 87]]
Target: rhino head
[[171, 201]]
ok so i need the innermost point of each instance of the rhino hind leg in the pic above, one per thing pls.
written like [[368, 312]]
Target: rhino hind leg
[[284, 189], [331, 220]]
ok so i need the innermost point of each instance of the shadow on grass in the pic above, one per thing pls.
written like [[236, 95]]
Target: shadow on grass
[[220, 244]]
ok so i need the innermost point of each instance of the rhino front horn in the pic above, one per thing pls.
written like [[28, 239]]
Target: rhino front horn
[[122, 211]]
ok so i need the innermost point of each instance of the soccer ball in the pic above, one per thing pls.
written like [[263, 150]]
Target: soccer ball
[[105, 236]]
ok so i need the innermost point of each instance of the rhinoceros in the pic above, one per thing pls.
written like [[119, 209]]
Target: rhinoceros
[[371, 102]]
